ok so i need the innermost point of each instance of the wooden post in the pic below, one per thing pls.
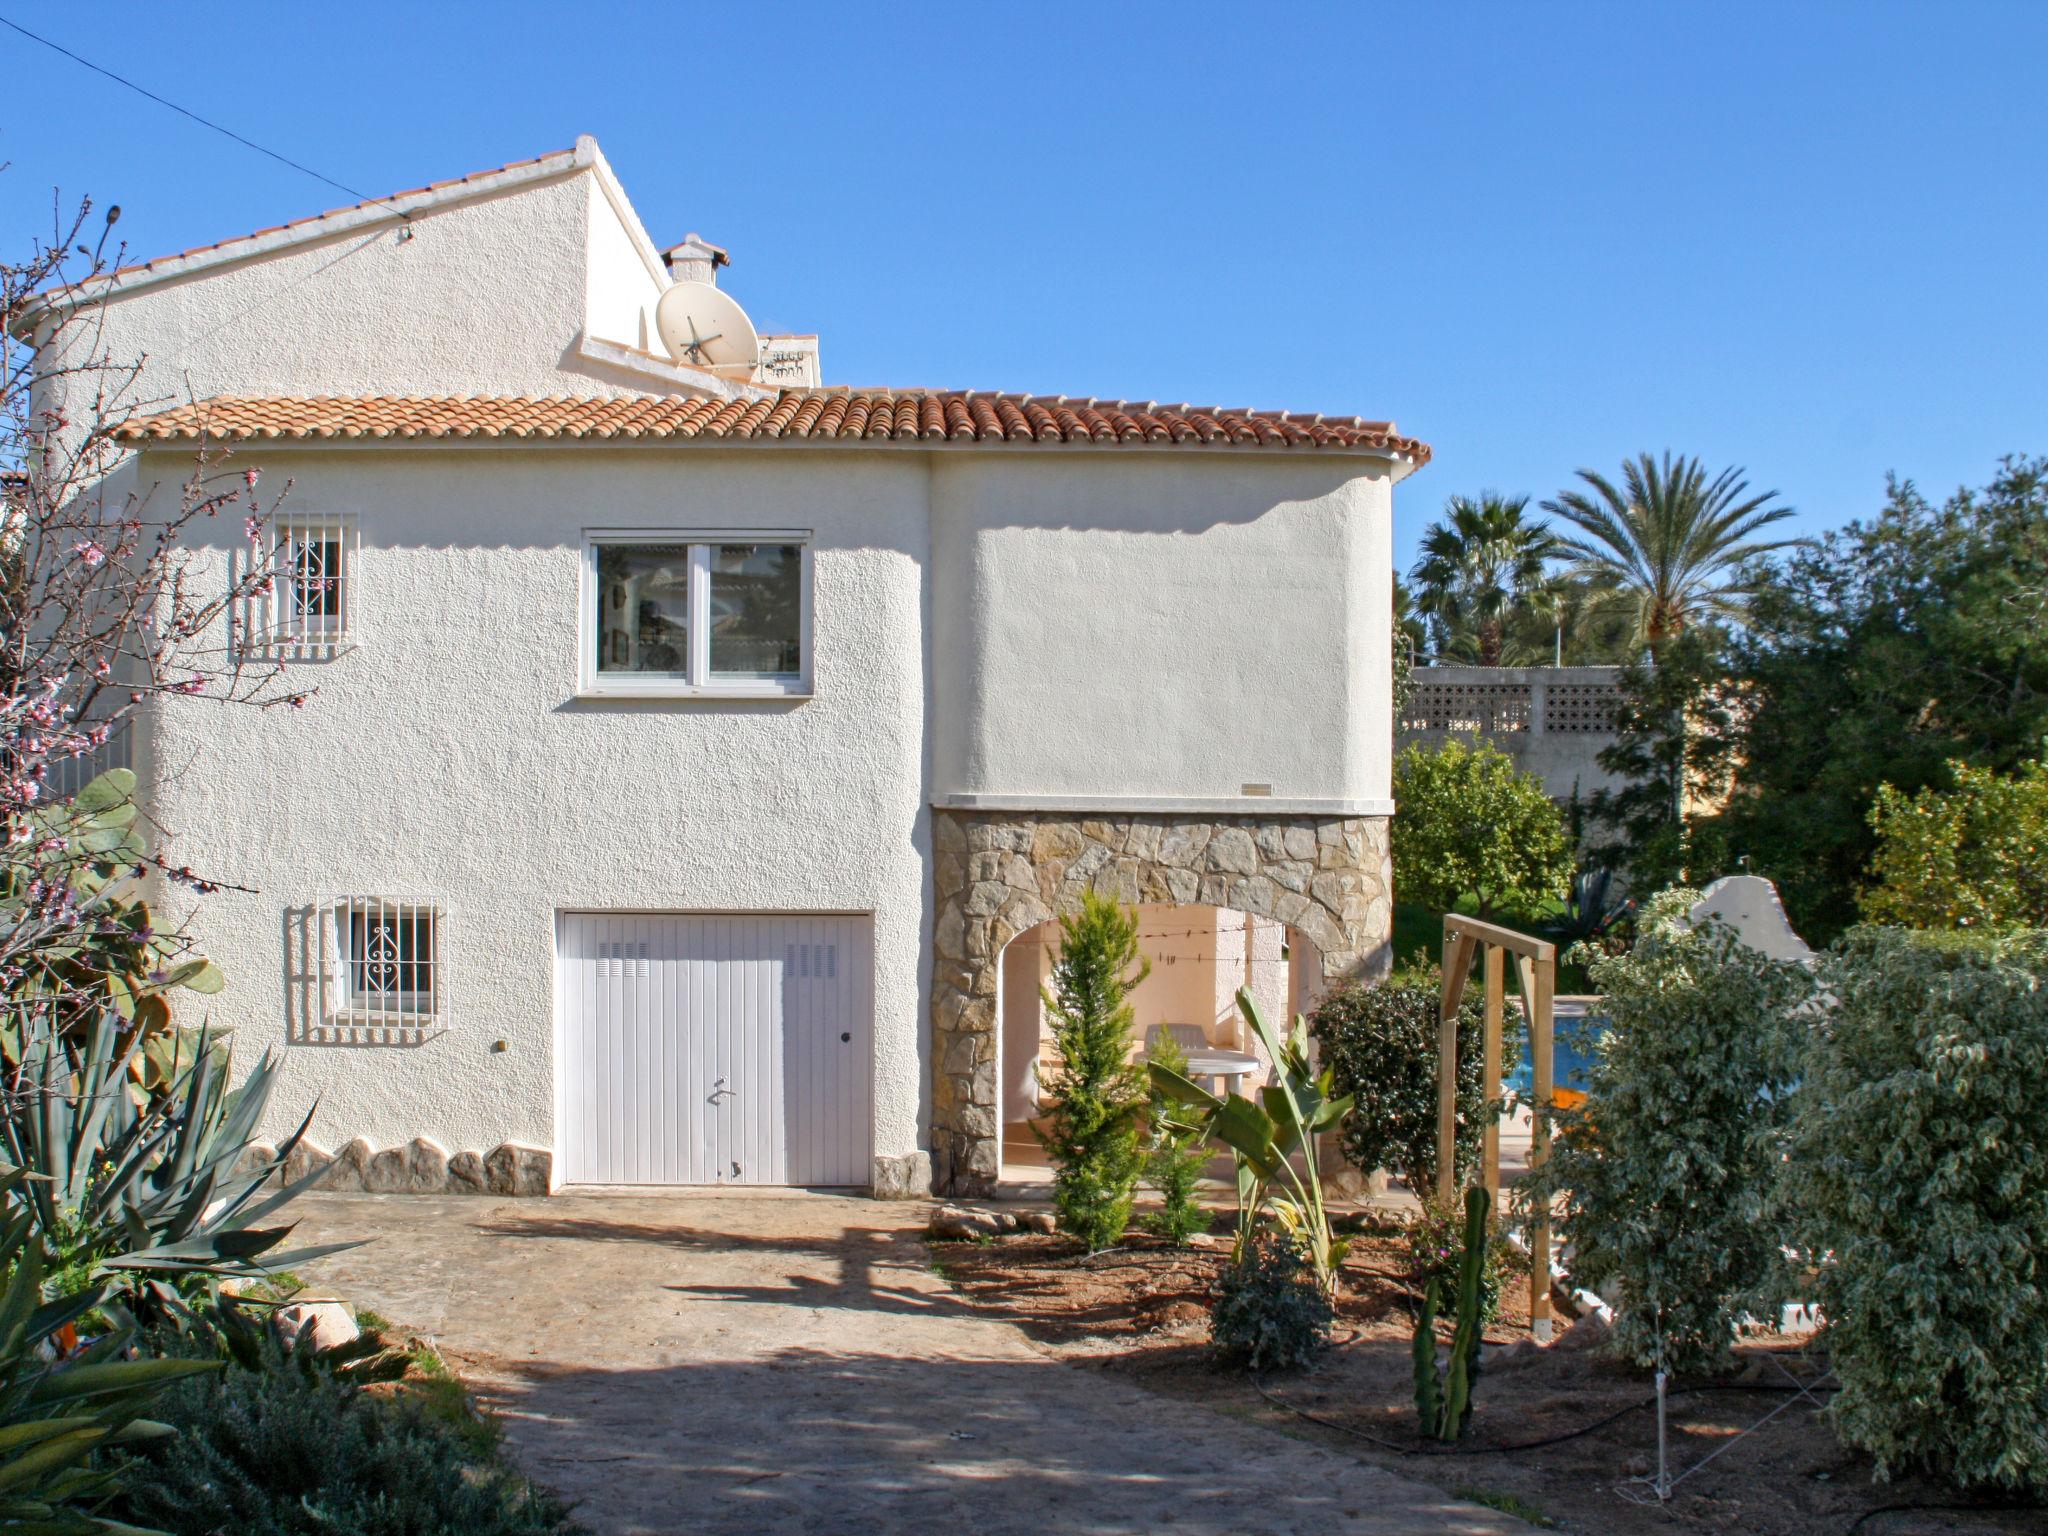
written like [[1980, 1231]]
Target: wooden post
[[1536, 972], [1539, 1146], [1457, 961], [1489, 1080]]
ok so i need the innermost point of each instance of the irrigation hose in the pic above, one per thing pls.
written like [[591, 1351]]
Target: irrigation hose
[[1854, 1526], [1520, 1445], [1953, 1509]]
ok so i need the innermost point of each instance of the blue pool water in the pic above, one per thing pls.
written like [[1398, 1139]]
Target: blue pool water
[[1572, 1036]]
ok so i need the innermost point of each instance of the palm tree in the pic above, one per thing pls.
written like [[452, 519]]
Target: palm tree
[[1671, 540], [1408, 625], [1477, 566]]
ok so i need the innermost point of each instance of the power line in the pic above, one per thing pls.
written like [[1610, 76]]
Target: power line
[[305, 170]]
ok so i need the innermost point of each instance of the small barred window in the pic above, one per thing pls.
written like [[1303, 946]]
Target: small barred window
[[303, 611], [382, 962]]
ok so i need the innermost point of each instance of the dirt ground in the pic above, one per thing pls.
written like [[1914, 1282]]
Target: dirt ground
[[1141, 1312]]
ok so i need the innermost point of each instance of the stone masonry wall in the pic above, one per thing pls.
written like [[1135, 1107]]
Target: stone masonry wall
[[999, 873]]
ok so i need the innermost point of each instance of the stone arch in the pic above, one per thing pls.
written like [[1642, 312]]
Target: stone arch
[[996, 874]]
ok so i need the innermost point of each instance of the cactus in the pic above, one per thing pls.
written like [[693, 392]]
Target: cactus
[[1427, 1397], [1446, 1410]]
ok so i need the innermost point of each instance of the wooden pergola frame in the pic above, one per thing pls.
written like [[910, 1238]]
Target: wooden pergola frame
[[1536, 974]]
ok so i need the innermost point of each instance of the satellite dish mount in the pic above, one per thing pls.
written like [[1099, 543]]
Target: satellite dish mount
[[702, 326]]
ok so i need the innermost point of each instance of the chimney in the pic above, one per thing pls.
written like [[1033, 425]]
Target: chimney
[[695, 260]]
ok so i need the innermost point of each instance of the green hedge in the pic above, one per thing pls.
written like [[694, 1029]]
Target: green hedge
[[1670, 1168], [1918, 1178], [1380, 1044]]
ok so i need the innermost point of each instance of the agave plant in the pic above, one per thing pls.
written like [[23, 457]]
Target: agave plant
[[152, 1198], [60, 1401], [1264, 1137], [1590, 910]]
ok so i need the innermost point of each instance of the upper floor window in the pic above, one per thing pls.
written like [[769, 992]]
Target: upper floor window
[[303, 611], [696, 614]]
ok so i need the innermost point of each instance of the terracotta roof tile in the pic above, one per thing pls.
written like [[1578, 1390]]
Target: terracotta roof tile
[[791, 415]]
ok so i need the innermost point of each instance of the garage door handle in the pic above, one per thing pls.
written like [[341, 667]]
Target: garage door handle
[[720, 1091]]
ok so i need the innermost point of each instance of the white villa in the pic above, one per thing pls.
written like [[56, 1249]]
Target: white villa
[[701, 754]]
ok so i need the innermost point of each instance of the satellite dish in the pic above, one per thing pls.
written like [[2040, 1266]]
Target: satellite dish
[[702, 326]]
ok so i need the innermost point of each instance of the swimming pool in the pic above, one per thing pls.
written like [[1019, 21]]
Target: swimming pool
[[1575, 1025]]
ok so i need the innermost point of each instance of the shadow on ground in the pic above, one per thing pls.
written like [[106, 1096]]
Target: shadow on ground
[[846, 1443], [699, 1364]]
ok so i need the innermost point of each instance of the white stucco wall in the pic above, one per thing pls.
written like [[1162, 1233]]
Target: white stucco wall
[[1162, 628], [484, 298], [446, 757], [624, 276], [1126, 628]]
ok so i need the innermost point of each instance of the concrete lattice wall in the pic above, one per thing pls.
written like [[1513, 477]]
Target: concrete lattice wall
[[1553, 721]]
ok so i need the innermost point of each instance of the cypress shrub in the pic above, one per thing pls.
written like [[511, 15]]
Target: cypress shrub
[[1174, 1159], [1098, 1094]]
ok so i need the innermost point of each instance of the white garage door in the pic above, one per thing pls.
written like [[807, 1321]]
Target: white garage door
[[713, 1050]]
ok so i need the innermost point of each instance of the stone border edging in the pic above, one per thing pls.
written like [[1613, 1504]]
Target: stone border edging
[[421, 1166]]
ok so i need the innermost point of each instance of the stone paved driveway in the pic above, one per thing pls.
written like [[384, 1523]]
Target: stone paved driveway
[[686, 1363]]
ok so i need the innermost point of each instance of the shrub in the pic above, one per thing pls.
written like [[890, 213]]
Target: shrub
[[1436, 1251], [1975, 856], [286, 1451], [1271, 1315], [1470, 823], [110, 953], [1097, 1094], [1380, 1044], [1175, 1158], [1668, 1169], [1919, 1172]]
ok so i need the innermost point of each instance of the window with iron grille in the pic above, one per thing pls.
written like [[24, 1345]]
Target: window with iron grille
[[383, 961], [303, 613]]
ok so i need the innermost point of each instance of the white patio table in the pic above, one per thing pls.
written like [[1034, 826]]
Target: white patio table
[[1218, 1063]]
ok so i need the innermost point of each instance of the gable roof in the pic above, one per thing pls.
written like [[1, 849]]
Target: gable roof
[[786, 416], [399, 207]]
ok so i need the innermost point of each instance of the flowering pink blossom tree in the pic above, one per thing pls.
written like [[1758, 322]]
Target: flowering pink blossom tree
[[103, 613]]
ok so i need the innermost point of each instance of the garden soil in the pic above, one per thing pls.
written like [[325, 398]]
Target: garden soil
[[1560, 1434]]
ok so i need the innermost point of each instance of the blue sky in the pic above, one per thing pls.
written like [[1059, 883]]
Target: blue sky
[[1807, 239]]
